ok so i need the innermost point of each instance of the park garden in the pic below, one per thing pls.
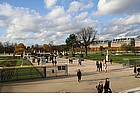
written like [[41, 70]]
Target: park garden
[[17, 66], [11, 68]]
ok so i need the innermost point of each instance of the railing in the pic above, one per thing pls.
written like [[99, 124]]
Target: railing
[[131, 62], [31, 72]]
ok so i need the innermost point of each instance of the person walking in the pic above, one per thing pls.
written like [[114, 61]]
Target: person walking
[[107, 86], [97, 65], [135, 71], [79, 74], [111, 61], [105, 67], [38, 61], [100, 87], [79, 61], [138, 70], [100, 66]]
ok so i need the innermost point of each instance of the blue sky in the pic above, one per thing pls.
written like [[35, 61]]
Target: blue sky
[[43, 21]]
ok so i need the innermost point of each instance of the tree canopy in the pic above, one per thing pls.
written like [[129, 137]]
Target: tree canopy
[[20, 48], [86, 36], [71, 42]]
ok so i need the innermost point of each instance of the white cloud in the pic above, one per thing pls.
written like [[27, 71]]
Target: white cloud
[[127, 26], [82, 16], [20, 23], [117, 6], [29, 27], [87, 6], [128, 20], [74, 6], [49, 3], [56, 12]]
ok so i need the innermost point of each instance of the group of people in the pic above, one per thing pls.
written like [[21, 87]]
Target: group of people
[[136, 71], [106, 87], [53, 59], [100, 86], [79, 61], [54, 62], [100, 65]]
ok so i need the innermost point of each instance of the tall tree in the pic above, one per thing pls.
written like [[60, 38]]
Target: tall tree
[[46, 48], [71, 42], [19, 49], [86, 36]]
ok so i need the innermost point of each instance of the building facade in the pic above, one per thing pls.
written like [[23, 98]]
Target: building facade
[[116, 43]]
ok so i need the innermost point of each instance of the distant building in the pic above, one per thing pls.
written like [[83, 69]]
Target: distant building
[[116, 43]]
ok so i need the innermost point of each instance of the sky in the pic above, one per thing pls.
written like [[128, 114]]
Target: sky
[[44, 21]]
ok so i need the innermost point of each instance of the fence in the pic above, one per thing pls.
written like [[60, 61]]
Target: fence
[[131, 62], [31, 72]]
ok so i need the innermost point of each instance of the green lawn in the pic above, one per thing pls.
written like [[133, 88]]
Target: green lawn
[[18, 73], [7, 61], [26, 73], [115, 58]]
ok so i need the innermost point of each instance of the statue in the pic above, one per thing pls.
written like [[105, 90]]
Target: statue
[[107, 56]]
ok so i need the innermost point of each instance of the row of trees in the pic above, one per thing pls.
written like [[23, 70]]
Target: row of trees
[[7, 47], [80, 40], [20, 48]]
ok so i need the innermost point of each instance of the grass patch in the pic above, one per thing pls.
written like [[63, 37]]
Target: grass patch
[[26, 73], [18, 73], [115, 58]]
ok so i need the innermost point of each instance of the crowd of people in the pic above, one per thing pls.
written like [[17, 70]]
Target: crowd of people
[[52, 58]]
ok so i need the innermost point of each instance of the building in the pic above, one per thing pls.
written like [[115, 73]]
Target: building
[[116, 43]]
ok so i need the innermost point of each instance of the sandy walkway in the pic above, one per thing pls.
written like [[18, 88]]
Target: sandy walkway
[[121, 79]]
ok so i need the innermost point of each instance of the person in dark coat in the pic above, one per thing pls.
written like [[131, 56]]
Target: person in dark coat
[[135, 71], [79, 74], [100, 87], [79, 61], [100, 66], [55, 62], [106, 86], [97, 64], [38, 61], [138, 70], [110, 61]]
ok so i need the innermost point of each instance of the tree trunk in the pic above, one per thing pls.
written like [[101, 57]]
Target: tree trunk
[[86, 50], [81, 50]]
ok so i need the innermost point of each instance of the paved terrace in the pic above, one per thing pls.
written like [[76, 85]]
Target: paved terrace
[[121, 80]]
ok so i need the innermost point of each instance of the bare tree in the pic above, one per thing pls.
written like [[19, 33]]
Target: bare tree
[[86, 36]]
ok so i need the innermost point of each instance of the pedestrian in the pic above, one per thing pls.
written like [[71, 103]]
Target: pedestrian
[[135, 71], [97, 64], [110, 61], [79, 61], [138, 70], [100, 66], [55, 62], [107, 86], [38, 61], [79, 74], [105, 67], [100, 87]]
